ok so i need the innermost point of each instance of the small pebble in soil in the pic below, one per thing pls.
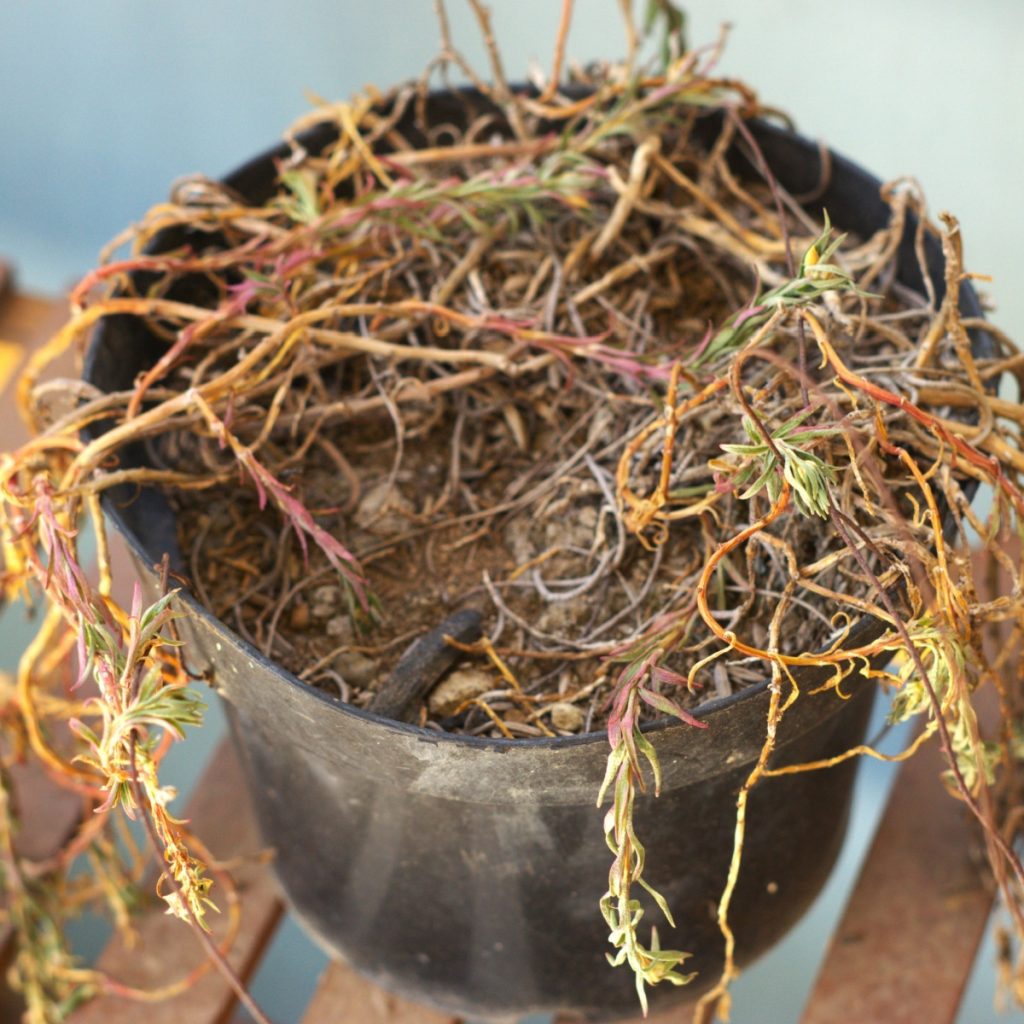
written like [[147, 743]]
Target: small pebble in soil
[[325, 600], [299, 617], [566, 717], [384, 510], [355, 668], [461, 685], [340, 628], [517, 536]]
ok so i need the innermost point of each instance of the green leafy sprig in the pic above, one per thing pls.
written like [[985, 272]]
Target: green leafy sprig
[[817, 276], [638, 684], [946, 660], [136, 708], [808, 474]]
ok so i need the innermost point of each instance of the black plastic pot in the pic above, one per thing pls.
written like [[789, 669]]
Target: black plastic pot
[[466, 873]]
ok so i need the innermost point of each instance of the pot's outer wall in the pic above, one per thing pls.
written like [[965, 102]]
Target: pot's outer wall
[[466, 872], [468, 875]]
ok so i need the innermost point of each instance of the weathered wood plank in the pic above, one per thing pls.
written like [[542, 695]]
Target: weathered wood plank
[[685, 1014], [219, 813], [905, 947], [47, 814], [345, 997], [26, 321], [47, 817]]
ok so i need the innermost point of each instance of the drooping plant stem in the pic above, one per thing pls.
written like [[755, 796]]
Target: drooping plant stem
[[213, 952]]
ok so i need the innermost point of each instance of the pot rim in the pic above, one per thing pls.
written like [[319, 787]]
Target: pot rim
[[317, 136]]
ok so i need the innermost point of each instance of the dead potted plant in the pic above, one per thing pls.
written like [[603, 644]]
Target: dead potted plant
[[497, 450]]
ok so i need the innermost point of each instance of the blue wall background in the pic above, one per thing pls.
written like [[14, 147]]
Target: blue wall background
[[105, 102]]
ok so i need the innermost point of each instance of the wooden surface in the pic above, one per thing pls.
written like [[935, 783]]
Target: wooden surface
[[25, 321], [342, 995], [905, 946], [921, 898], [166, 949], [901, 953], [49, 815]]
